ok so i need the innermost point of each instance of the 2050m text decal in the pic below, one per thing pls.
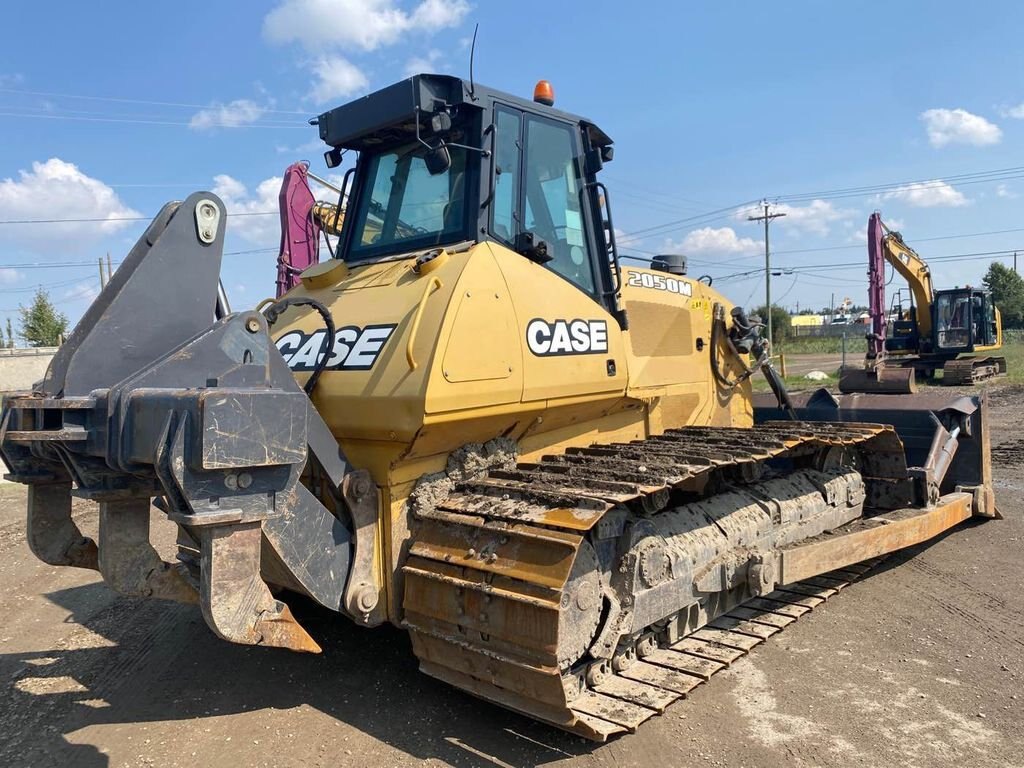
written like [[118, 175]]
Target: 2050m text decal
[[659, 283], [354, 348], [566, 337]]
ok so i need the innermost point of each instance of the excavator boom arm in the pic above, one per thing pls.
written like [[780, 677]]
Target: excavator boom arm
[[915, 271]]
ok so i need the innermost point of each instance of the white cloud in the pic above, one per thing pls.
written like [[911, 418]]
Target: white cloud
[[235, 114], [815, 217], [262, 230], [319, 25], [313, 145], [1002, 190], [420, 64], [336, 78], [928, 194], [958, 126], [717, 241], [59, 186], [1016, 112], [8, 275]]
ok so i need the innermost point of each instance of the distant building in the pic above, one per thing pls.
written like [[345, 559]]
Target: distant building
[[806, 321]]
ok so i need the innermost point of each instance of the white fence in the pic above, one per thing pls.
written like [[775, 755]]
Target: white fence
[[21, 368]]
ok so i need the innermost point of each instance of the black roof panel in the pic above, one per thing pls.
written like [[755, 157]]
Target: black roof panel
[[374, 118]]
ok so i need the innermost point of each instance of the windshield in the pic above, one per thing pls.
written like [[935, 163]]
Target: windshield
[[953, 319], [402, 207]]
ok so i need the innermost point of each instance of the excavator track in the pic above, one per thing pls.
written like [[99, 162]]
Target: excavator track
[[508, 581], [971, 370]]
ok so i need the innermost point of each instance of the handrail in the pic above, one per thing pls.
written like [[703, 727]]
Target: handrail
[[433, 284]]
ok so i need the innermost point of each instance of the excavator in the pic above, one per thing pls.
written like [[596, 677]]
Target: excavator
[[949, 330], [472, 422]]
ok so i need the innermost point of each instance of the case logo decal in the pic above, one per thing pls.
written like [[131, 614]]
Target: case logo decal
[[354, 348], [566, 337]]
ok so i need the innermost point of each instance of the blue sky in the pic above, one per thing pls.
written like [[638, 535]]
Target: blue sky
[[711, 105]]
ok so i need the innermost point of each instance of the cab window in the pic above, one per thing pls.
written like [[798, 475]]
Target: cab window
[[403, 207], [507, 156], [552, 187]]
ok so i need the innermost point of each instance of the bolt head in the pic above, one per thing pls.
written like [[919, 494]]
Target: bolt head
[[366, 598], [252, 325]]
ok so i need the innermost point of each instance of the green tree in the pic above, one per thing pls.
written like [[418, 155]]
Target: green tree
[[41, 324], [10, 334], [781, 323], [1008, 293]]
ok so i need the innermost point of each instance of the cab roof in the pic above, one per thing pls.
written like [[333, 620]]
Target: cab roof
[[391, 113]]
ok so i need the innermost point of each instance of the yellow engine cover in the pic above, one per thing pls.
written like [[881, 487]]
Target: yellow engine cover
[[483, 343]]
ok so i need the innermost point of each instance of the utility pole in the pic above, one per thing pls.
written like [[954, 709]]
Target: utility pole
[[767, 217], [103, 279], [1015, 262]]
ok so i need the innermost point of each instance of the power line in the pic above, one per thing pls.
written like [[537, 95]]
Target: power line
[[976, 177], [44, 111], [997, 174], [729, 211], [766, 217], [142, 121], [916, 240], [91, 263], [102, 220], [138, 101]]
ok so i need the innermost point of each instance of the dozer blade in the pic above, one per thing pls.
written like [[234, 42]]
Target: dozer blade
[[945, 438], [203, 415], [879, 380]]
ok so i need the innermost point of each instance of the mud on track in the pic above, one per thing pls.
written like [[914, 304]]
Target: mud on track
[[921, 663]]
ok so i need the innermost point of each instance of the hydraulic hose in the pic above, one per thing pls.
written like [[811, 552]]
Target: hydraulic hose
[[763, 362], [717, 335], [273, 312]]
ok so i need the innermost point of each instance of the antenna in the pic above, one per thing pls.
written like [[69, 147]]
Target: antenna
[[472, 55]]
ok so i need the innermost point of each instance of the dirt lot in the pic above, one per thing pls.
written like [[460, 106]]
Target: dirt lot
[[919, 664]]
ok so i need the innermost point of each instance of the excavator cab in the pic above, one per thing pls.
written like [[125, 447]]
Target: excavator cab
[[965, 320], [940, 332]]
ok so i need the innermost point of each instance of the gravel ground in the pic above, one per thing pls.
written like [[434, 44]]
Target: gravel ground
[[919, 664]]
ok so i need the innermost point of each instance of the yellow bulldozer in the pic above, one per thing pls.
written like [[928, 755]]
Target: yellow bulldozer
[[473, 423]]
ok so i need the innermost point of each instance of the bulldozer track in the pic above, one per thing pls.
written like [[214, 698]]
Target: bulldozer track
[[501, 577]]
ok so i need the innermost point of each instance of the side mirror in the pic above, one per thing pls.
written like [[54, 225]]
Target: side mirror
[[332, 157], [438, 160]]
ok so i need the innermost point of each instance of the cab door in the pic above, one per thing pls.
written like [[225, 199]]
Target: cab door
[[572, 345]]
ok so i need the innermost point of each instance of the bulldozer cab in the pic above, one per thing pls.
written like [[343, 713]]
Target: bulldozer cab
[[443, 162], [965, 319]]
